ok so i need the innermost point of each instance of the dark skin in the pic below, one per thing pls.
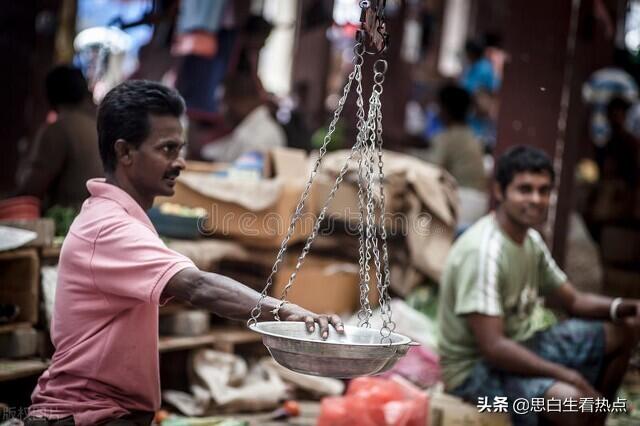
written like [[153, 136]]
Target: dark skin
[[36, 181], [524, 203], [151, 170]]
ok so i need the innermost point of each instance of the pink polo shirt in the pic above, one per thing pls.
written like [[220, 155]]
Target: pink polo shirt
[[113, 269]]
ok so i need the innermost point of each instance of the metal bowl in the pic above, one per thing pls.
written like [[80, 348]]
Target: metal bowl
[[357, 352]]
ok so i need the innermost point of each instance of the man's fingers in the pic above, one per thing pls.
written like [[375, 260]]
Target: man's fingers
[[309, 321], [323, 321], [337, 323]]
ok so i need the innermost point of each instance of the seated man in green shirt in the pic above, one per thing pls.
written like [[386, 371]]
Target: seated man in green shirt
[[493, 341]]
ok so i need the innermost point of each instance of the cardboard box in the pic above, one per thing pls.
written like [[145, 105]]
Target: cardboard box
[[345, 204], [421, 203], [447, 410], [257, 213], [20, 343], [20, 282], [323, 285]]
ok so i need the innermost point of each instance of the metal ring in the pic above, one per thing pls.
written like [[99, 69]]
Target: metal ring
[[383, 63], [378, 78], [358, 50], [365, 4]]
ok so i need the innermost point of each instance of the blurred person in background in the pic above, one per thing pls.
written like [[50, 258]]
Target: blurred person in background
[[478, 73], [254, 128], [614, 196], [458, 151], [603, 85], [480, 79], [252, 39], [495, 53], [65, 153]]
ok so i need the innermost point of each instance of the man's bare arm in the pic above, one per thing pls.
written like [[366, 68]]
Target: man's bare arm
[[231, 299], [508, 355], [587, 305]]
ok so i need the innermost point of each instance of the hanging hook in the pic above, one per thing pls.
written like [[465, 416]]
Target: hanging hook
[[378, 26]]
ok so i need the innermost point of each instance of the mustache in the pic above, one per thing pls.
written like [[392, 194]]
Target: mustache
[[172, 174]]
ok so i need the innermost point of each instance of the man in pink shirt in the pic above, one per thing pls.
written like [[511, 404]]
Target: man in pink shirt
[[114, 271]]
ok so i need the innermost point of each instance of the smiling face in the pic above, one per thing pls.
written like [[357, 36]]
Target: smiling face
[[525, 200], [157, 162]]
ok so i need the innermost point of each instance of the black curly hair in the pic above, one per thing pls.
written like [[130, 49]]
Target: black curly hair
[[124, 114], [65, 85], [522, 158]]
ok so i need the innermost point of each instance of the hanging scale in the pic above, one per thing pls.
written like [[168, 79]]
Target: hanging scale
[[361, 350]]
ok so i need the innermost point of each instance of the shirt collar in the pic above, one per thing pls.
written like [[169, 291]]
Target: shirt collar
[[98, 187]]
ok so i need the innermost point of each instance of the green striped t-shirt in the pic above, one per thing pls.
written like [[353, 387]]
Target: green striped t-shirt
[[488, 273]]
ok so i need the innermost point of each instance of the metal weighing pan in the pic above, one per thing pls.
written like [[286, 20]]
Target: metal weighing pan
[[359, 352]]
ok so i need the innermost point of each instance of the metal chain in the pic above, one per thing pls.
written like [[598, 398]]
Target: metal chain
[[369, 147], [373, 123], [369, 242], [365, 312], [388, 325], [385, 298], [330, 197], [367, 213], [357, 72], [316, 227], [374, 143]]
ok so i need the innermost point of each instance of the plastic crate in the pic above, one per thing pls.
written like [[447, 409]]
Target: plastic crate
[[174, 226]]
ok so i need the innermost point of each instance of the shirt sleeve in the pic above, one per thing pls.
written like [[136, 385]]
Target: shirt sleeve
[[477, 283], [552, 275], [130, 261]]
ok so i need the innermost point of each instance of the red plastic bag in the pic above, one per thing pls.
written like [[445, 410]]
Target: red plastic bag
[[372, 401], [420, 365], [344, 411]]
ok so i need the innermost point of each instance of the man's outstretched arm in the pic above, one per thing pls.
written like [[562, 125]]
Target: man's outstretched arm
[[231, 299]]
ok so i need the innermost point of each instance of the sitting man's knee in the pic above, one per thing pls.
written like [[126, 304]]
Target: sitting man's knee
[[567, 392]]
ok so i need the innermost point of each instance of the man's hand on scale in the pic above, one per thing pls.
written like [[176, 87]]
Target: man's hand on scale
[[291, 312]]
